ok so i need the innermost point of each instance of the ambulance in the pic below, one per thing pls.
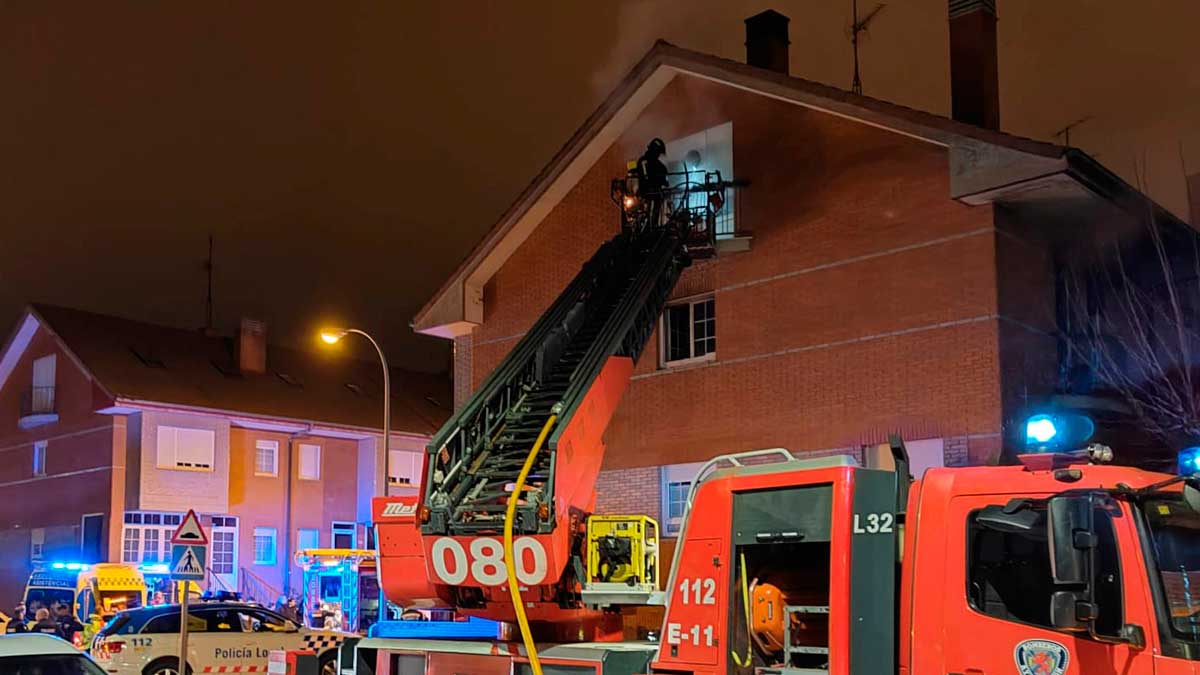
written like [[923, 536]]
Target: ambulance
[[223, 637], [94, 592]]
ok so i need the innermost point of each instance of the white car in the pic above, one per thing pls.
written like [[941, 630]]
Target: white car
[[37, 654], [223, 637]]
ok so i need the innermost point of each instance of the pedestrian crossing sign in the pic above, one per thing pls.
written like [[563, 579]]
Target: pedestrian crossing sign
[[187, 561]]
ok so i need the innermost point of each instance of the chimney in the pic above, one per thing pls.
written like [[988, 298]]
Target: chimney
[[974, 82], [252, 347], [767, 41]]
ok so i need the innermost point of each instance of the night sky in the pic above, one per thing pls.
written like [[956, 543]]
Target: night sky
[[347, 155]]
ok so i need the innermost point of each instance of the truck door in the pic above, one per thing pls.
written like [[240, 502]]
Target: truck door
[[997, 599]]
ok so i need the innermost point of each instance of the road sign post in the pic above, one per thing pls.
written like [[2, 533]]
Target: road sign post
[[189, 554]]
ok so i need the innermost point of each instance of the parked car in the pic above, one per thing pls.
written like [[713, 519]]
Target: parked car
[[36, 654]]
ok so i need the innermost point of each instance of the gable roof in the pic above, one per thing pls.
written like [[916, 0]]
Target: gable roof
[[140, 364], [997, 159]]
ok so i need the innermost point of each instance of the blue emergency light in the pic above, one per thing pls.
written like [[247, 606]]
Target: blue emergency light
[[71, 566], [1058, 431], [154, 568], [1189, 460]]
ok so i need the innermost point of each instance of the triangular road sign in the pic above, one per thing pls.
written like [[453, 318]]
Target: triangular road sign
[[189, 531]]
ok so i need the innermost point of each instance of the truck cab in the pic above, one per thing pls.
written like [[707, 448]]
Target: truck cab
[[994, 579]]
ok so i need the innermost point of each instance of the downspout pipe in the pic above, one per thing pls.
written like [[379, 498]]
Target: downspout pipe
[[287, 509]]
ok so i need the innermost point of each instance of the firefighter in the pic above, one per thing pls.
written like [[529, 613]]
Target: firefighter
[[652, 183]]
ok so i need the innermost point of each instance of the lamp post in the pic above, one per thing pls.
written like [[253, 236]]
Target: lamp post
[[331, 337]]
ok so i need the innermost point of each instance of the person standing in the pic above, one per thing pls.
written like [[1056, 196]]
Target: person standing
[[68, 625], [652, 185], [291, 610], [17, 623], [44, 624]]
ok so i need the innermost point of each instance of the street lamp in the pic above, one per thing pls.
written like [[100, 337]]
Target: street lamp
[[333, 336]]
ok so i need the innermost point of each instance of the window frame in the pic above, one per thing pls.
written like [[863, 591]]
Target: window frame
[[163, 523], [273, 534], [969, 559], [39, 458], [174, 464], [300, 536], [343, 527], [668, 475], [663, 329], [300, 461], [273, 446]]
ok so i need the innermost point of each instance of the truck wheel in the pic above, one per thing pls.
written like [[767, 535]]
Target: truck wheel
[[167, 665], [328, 664]]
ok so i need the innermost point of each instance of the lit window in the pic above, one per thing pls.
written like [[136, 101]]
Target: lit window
[[714, 146], [223, 551], [39, 458], [689, 332], [266, 458], [264, 546], [403, 467], [310, 462], [37, 543]]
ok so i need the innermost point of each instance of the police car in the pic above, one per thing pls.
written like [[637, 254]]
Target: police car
[[223, 637]]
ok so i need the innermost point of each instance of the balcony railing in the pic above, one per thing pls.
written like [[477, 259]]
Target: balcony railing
[[38, 406]]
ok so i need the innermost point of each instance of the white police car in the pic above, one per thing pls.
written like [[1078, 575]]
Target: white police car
[[36, 654], [223, 637]]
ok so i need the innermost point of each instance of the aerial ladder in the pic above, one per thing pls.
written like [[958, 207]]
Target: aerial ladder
[[535, 427]]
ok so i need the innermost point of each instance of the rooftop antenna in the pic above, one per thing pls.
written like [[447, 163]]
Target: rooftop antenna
[[1065, 132], [860, 26], [208, 303]]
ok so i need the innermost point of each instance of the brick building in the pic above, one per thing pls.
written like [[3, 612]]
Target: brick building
[[884, 269], [111, 429]]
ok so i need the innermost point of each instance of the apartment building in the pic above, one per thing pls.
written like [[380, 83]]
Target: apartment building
[[881, 269], [111, 429]]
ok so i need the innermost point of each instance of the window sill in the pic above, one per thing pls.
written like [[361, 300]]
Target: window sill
[[738, 243], [263, 563], [308, 479], [267, 475], [694, 361], [37, 420], [193, 469]]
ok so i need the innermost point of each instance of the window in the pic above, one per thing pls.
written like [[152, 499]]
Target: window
[[37, 543], [689, 332], [262, 621], [41, 397], [266, 458], [306, 539], [715, 148], [222, 556], [147, 536], [675, 483], [403, 467], [310, 462], [186, 449], [150, 538], [1008, 573], [130, 545], [264, 546], [39, 458], [344, 535]]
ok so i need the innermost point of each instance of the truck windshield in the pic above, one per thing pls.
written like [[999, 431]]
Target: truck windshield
[[1175, 528]]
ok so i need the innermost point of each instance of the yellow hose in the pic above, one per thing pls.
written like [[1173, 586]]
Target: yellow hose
[[509, 563], [749, 629]]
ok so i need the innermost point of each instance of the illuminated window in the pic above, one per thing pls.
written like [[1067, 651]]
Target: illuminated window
[[308, 538], [714, 146], [675, 483], [689, 332], [39, 458], [131, 544], [185, 449]]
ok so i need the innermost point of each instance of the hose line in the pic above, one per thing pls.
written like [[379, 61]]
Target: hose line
[[510, 564]]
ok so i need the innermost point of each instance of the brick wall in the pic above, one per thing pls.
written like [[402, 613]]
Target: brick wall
[[867, 303], [635, 490]]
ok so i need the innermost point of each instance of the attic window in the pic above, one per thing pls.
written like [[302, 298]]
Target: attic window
[[147, 359], [289, 380], [228, 370], [358, 391]]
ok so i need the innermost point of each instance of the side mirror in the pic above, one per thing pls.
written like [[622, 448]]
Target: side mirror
[[1134, 636], [1072, 539]]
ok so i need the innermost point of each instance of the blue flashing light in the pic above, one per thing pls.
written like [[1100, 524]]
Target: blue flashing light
[[473, 627], [1040, 429], [70, 566], [58, 566], [1189, 460], [155, 568]]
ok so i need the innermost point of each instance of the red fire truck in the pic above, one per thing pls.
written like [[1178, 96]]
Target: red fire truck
[[1057, 566]]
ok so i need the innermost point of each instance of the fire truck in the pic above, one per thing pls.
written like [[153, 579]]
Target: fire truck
[[1061, 564]]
